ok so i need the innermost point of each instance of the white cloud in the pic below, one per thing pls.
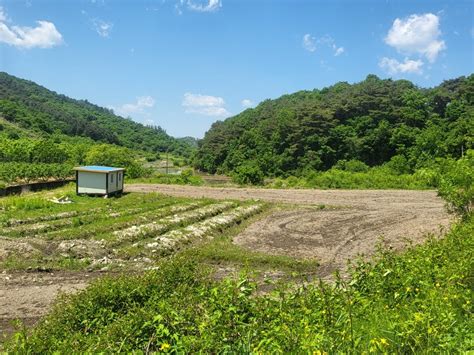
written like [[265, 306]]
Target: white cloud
[[311, 44], [44, 35], [142, 103], [338, 50], [393, 66], [247, 103], [417, 34], [102, 28], [204, 105], [204, 6]]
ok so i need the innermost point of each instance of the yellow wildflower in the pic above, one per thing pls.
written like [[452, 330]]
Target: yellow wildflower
[[165, 346]]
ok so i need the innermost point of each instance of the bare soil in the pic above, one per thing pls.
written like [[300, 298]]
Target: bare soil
[[351, 223], [28, 295]]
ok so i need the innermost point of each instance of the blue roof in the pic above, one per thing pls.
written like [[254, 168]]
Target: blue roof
[[97, 168]]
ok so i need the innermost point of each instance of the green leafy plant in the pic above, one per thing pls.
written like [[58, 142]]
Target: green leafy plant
[[456, 184], [248, 173]]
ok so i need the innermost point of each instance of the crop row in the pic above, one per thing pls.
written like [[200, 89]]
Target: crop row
[[202, 229], [103, 228], [75, 219], [149, 229]]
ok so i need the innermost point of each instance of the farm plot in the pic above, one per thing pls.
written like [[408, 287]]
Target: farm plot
[[48, 248], [105, 234]]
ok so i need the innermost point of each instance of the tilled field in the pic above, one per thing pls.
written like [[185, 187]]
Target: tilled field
[[332, 226], [91, 235]]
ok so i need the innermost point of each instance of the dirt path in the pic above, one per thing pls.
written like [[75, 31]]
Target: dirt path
[[332, 236]]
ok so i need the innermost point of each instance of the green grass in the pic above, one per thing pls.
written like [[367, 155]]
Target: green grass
[[418, 301], [223, 252]]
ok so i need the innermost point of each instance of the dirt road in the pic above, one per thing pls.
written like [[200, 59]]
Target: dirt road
[[352, 222]]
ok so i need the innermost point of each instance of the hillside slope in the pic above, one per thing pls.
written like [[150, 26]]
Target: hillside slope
[[36, 109], [372, 121]]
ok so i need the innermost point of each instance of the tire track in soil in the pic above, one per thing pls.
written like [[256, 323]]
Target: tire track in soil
[[332, 236]]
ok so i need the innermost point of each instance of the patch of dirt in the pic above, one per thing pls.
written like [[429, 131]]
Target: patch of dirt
[[10, 247], [335, 236], [356, 198], [28, 295], [332, 236]]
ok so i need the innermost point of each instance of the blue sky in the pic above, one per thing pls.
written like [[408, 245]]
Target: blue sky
[[183, 64]]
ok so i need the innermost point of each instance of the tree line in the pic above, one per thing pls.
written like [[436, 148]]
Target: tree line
[[374, 122], [44, 112]]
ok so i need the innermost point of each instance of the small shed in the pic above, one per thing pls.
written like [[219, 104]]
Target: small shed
[[99, 180]]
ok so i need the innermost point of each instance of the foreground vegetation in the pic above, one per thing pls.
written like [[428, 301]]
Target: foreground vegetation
[[418, 301]]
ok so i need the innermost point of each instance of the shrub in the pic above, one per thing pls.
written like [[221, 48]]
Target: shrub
[[427, 176], [398, 165], [353, 165], [248, 174], [110, 155], [456, 184]]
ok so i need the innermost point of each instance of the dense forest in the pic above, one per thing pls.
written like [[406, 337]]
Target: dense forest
[[374, 122], [30, 109]]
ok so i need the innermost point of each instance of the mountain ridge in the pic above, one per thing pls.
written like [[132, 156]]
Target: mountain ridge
[[35, 108]]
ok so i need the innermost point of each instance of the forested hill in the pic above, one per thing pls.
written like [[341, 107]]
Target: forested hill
[[38, 110], [373, 121]]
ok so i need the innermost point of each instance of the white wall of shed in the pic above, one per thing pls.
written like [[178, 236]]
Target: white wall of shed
[[91, 183]]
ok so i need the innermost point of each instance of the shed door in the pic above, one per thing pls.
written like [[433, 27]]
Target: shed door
[[116, 181]]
